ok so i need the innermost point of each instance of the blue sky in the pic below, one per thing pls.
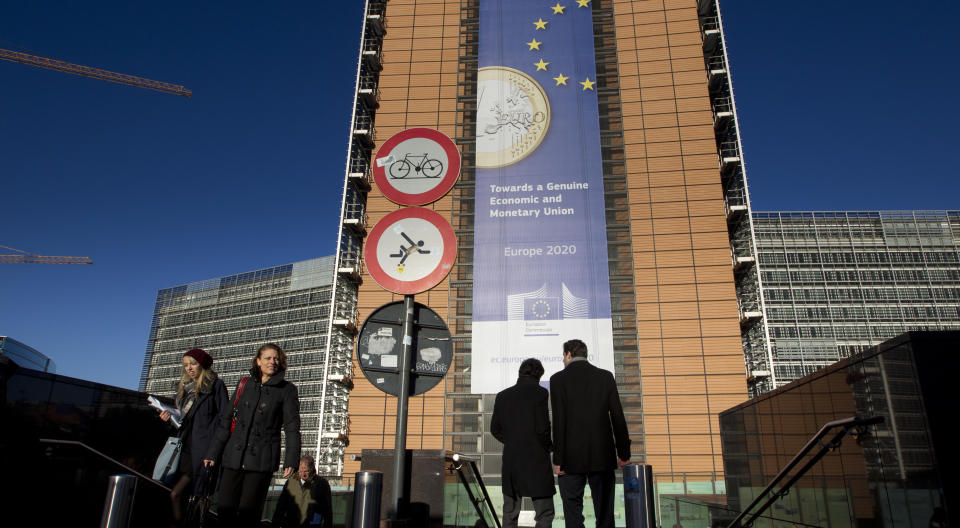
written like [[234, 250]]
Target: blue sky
[[842, 105]]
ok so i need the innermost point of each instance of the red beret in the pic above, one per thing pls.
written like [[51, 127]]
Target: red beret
[[205, 360]]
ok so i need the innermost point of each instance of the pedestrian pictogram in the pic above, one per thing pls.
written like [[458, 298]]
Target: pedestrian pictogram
[[416, 166], [410, 250]]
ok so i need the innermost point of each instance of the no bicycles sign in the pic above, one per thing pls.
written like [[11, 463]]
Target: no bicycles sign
[[416, 166]]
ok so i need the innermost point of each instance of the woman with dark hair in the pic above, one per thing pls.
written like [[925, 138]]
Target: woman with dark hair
[[201, 397], [248, 438]]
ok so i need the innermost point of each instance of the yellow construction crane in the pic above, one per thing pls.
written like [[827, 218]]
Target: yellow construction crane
[[95, 73], [23, 257]]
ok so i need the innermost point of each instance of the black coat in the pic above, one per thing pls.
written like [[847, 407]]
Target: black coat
[[203, 418], [521, 423], [287, 513], [263, 410], [589, 429]]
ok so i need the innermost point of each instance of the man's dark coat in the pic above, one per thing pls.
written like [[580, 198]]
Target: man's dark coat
[[263, 410], [521, 423], [316, 492], [589, 429]]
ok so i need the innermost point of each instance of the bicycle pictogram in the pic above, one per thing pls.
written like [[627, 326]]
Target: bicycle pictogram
[[422, 166]]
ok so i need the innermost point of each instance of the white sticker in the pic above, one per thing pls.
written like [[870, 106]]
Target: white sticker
[[365, 356], [380, 380], [381, 343], [385, 331], [430, 355], [388, 361], [407, 340], [383, 162]]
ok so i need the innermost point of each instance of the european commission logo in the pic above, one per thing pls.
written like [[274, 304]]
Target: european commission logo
[[541, 309], [540, 305]]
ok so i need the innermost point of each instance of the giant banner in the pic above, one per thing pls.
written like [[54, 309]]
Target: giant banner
[[540, 253]]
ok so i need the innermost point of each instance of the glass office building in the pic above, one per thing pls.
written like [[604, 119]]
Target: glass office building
[[835, 283], [897, 473], [26, 356], [230, 317]]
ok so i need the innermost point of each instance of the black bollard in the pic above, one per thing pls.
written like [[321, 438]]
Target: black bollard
[[638, 496]]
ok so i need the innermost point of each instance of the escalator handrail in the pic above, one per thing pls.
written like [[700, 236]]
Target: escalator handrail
[[457, 461], [105, 457], [486, 495]]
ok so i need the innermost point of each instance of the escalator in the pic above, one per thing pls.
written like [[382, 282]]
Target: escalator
[[61, 438], [81, 474], [443, 489], [466, 501]]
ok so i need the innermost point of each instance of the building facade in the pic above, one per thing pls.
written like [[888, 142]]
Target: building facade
[[835, 283], [230, 317], [684, 295], [26, 356]]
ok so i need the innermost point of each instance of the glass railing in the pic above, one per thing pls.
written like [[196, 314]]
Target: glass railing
[[98, 431], [684, 512], [341, 502], [80, 475], [466, 501]]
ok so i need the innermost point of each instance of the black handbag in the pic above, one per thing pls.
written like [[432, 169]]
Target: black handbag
[[197, 514]]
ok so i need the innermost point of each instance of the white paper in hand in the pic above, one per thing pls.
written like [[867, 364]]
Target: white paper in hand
[[159, 405]]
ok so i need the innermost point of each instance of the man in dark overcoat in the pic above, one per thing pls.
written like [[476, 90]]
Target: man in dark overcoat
[[306, 499], [521, 423], [589, 435]]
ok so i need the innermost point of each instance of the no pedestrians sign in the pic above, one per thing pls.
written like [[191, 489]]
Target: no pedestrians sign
[[410, 250]]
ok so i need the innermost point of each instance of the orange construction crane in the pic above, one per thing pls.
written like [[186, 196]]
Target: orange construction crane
[[95, 73], [29, 258]]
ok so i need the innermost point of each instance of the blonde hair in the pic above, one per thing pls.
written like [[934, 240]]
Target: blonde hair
[[204, 382]]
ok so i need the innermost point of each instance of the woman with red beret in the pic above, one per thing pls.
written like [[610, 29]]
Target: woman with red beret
[[201, 398]]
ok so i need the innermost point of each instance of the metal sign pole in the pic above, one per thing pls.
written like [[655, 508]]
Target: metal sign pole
[[403, 396]]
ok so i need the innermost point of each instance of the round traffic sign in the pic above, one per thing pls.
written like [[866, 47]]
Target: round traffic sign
[[410, 250], [380, 346], [416, 166]]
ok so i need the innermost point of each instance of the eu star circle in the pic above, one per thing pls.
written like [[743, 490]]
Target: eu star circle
[[540, 309]]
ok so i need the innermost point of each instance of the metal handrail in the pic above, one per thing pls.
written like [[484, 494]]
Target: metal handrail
[[729, 149], [457, 461], [847, 425], [708, 23], [716, 63], [711, 507], [105, 457], [722, 103]]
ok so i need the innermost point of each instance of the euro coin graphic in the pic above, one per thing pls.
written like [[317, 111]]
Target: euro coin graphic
[[513, 115]]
